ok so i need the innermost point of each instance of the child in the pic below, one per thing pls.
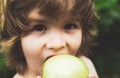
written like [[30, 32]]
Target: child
[[34, 30]]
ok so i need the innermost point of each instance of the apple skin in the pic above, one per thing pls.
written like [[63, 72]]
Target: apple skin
[[65, 66]]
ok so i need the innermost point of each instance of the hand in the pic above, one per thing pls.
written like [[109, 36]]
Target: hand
[[93, 76], [91, 67]]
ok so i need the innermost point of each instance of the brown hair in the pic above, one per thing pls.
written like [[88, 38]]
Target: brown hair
[[16, 23]]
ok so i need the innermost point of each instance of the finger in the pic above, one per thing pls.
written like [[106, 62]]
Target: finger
[[93, 76]]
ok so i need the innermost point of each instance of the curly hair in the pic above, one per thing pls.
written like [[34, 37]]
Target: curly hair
[[16, 23]]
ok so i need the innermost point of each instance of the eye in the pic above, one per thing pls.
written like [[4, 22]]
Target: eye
[[70, 26], [39, 28]]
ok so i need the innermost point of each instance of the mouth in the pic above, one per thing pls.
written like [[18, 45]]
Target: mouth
[[50, 57]]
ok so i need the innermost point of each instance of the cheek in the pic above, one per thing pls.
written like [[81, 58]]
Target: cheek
[[31, 47], [32, 50], [75, 45], [74, 42]]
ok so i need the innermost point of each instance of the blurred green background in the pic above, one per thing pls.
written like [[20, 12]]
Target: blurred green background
[[106, 55]]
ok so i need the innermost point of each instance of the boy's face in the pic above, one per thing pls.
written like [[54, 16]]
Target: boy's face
[[49, 37]]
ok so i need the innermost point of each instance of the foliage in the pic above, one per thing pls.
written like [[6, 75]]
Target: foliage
[[109, 12], [4, 71], [107, 56]]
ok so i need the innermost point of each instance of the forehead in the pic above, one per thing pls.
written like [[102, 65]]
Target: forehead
[[36, 15], [54, 9]]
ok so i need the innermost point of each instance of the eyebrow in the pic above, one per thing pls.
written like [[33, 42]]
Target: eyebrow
[[37, 21], [47, 20]]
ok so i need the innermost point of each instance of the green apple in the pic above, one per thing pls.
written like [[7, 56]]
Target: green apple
[[65, 66]]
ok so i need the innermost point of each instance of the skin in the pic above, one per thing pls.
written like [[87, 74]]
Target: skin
[[48, 37], [91, 67]]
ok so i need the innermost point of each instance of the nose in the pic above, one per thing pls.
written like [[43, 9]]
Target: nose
[[56, 45], [56, 42]]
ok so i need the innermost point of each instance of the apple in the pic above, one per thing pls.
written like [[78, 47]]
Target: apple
[[65, 66]]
